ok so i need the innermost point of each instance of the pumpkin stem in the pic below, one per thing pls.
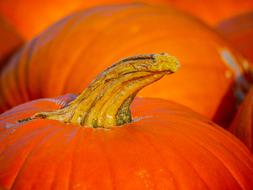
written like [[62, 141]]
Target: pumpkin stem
[[106, 101]]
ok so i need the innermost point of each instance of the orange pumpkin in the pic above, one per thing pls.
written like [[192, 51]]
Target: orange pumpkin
[[30, 17], [213, 11], [239, 31], [71, 53], [9, 41], [242, 125], [166, 146]]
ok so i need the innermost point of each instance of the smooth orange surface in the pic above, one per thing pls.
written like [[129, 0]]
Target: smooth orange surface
[[242, 125], [9, 41], [239, 31], [30, 17], [213, 11], [168, 146], [68, 56]]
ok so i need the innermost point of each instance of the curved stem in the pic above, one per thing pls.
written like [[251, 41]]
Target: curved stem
[[106, 101]]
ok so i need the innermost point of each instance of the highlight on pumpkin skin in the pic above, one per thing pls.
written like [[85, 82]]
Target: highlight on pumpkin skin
[[106, 101]]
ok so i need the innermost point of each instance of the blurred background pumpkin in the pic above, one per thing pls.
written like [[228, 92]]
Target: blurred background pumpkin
[[239, 31], [9, 41], [30, 17]]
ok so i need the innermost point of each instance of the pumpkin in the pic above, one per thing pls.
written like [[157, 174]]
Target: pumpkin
[[213, 11], [242, 125], [91, 141], [9, 41], [239, 31], [31, 17], [71, 53]]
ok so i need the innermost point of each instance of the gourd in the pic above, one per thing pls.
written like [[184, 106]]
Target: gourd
[[68, 56], [31, 17], [238, 31], [94, 141], [213, 12]]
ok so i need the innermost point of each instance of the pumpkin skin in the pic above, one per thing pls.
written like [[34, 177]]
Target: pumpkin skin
[[239, 31], [88, 42], [25, 14], [242, 125], [9, 41], [168, 146], [213, 11]]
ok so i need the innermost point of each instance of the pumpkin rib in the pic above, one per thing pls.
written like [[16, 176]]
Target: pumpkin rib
[[243, 149], [13, 80], [148, 146], [211, 136], [11, 83], [38, 68], [232, 152], [26, 67], [71, 142], [70, 30], [79, 138], [137, 142], [16, 82], [36, 141], [82, 142], [95, 139], [178, 153], [7, 144], [222, 163], [76, 140], [108, 163], [55, 132], [174, 148], [28, 160]]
